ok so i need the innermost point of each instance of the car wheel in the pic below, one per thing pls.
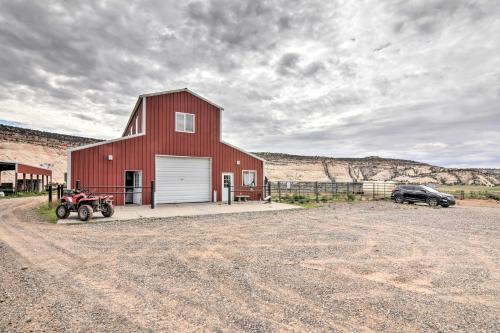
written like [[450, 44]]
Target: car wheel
[[62, 212], [107, 210], [399, 199], [85, 213], [432, 202]]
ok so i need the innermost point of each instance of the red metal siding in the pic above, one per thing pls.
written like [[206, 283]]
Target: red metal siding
[[92, 167]]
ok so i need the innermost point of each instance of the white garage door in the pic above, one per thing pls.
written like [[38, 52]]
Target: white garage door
[[182, 179]]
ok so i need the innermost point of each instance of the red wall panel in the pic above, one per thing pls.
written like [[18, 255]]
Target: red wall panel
[[92, 168]]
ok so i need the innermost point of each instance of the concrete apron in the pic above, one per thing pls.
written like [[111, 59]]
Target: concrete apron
[[133, 212]]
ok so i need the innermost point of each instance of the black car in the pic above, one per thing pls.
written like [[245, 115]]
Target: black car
[[420, 193]]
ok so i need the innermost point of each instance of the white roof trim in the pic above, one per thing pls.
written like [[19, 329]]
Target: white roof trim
[[243, 151], [133, 112], [105, 142], [182, 90]]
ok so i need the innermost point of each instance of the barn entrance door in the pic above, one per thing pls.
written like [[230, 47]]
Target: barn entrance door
[[227, 178], [133, 187]]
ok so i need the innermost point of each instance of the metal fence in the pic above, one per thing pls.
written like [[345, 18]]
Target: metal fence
[[319, 191], [127, 191], [233, 193]]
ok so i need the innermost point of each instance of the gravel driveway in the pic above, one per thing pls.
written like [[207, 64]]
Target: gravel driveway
[[347, 267]]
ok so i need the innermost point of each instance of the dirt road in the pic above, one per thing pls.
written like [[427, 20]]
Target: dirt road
[[348, 268]]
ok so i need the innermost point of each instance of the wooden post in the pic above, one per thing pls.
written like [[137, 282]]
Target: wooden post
[[279, 191], [24, 182], [37, 183], [50, 194], [316, 192], [31, 182], [152, 194], [15, 181], [269, 187]]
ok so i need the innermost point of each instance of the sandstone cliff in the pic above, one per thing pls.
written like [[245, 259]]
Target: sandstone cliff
[[319, 168]]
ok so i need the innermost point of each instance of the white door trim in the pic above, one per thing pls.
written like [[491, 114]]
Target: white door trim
[[125, 186], [223, 189]]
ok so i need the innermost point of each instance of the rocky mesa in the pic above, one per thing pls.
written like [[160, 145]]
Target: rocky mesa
[[50, 150], [282, 167]]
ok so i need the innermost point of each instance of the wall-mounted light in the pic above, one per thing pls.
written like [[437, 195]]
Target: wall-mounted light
[[110, 157], [238, 162]]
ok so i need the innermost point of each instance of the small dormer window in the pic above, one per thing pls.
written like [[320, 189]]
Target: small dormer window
[[184, 122]]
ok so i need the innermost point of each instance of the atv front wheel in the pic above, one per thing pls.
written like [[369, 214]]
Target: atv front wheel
[[62, 212], [85, 213], [107, 210]]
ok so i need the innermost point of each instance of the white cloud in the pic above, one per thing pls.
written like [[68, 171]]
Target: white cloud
[[416, 80]]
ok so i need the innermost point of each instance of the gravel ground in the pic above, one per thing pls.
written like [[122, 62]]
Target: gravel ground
[[345, 267]]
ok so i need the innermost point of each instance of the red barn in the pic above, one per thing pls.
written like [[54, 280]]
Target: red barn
[[173, 138]]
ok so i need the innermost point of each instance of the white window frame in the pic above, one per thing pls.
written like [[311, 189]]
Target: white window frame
[[184, 114], [243, 178]]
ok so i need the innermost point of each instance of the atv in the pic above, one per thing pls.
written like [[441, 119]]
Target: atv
[[85, 205]]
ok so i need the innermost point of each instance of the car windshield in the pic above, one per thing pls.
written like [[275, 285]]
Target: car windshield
[[430, 189]]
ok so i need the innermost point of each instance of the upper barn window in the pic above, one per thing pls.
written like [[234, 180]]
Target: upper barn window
[[184, 122]]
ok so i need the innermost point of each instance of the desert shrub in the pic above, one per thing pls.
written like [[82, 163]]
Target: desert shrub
[[351, 197]]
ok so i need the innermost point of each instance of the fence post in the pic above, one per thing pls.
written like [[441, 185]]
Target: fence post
[[279, 191], [269, 189], [316, 192], [153, 194], [229, 193], [58, 192], [50, 194]]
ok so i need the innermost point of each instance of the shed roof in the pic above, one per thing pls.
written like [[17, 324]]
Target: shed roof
[[24, 168]]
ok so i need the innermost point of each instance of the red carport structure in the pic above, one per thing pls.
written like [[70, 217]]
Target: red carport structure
[[26, 177]]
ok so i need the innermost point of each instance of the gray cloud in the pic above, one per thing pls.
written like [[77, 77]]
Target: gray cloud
[[310, 77]]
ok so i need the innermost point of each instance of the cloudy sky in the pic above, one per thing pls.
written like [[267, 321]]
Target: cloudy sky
[[404, 79]]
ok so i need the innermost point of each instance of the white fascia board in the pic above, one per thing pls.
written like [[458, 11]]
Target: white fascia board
[[133, 112], [182, 90], [243, 151], [68, 172], [105, 142]]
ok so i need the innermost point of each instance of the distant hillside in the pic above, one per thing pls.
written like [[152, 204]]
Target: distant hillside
[[18, 134], [341, 169], [39, 148], [50, 150]]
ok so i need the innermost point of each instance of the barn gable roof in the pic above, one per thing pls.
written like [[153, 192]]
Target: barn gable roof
[[182, 90], [166, 92]]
